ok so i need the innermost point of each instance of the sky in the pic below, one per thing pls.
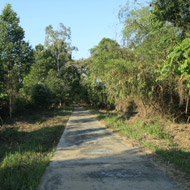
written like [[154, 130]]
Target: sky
[[89, 20]]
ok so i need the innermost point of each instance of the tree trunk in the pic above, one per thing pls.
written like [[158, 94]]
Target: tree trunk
[[10, 106], [60, 104], [58, 66], [187, 105], [11, 90]]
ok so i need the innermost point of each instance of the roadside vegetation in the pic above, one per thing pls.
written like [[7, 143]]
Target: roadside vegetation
[[26, 146], [151, 70], [154, 134]]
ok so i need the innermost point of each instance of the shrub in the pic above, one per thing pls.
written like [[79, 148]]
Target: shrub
[[41, 95]]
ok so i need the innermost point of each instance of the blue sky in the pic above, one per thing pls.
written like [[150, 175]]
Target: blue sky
[[89, 20]]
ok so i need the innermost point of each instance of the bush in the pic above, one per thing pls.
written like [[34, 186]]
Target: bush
[[4, 104], [55, 84], [20, 105], [41, 95]]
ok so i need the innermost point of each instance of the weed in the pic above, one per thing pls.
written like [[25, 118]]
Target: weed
[[177, 156], [150, 146], [155, 129]]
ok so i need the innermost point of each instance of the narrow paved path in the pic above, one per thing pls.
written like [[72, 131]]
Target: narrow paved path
[[90, 157]]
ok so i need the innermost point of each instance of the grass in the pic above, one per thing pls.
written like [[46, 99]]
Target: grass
[[151, 134], [26, 147], [178, 157]]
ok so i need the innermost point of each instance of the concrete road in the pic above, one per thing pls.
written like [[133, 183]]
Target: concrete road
[[90, 157]]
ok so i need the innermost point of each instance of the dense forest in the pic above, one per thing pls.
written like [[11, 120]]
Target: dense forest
[[150, 70], [43, 77]]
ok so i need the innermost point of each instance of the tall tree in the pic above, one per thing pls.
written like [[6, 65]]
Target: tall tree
[[176, 12], [38, 72], [58, 41], [136, 23], [13, 51]]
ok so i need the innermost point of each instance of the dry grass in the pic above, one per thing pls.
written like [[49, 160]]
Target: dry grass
[[26, 146]]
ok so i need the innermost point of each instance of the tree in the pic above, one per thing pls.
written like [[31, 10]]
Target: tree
[[41, 95], [58, 42], [13, 52], [137, 25], [70, 74], [105, 69], [3, 94], [176, 12], [106, 50], [38, 71], [56, 85]]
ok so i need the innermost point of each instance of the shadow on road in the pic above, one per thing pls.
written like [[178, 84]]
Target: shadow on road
[[127, 170]]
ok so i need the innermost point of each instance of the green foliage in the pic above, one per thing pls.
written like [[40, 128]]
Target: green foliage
[[136, 23], [15, 54], [151, 68], [177, 156], [38, 73], [106, 62], [106, 49], [28, 148], [56, 86], [176, 67], [41, 95], [58, 42], [178, 62], [44, 71], [155, 129], [176, 12], [71, 75]]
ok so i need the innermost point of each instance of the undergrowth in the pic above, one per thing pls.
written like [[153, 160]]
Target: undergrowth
[[26, 147]]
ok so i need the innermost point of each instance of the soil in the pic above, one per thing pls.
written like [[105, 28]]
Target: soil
[[180, 134]]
